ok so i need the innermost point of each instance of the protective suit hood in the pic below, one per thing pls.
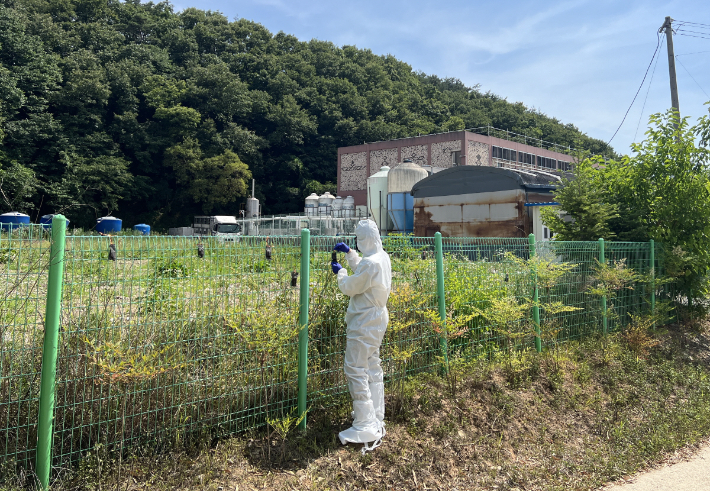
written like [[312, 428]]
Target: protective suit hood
[[368, 237]]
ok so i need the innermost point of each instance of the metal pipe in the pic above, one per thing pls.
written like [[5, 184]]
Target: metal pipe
[[652, 260], [443, 342], [536, 302], [303, 325], [45, 421], [603, 261]]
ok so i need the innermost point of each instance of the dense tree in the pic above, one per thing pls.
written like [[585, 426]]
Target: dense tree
[[661, 192], [130, 108]]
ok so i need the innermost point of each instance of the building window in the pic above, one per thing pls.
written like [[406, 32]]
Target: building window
[[456, 158], [513, 155]]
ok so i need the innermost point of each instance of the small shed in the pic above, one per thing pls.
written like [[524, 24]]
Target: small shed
[[481, 201]]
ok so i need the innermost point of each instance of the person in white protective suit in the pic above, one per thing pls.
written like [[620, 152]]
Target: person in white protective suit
[[368, 288]]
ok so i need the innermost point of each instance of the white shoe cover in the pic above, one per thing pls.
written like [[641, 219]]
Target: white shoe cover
[[366, 428]]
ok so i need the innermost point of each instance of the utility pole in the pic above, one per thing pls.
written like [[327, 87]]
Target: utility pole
[[671, 62]]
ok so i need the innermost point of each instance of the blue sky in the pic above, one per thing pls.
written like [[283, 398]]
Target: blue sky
[[579, 61]]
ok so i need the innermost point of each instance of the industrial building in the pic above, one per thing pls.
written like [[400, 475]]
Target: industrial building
[[442, 151]]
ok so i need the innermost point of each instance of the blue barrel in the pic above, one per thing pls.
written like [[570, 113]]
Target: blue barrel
[[106, 225], [14, 220], [142, 228], [46, 221], [400, 207]]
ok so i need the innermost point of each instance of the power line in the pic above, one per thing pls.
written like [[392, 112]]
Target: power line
[[650, 82], [693, 53], [694, 32], [693, 36], [698, 24], [691, 76], [639, 89]]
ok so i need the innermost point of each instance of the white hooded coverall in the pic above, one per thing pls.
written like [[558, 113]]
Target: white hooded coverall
[[368, 288]]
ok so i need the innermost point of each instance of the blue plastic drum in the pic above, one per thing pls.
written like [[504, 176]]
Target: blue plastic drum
[[46, 221], [14, 220], [142, 228], [107, 225]]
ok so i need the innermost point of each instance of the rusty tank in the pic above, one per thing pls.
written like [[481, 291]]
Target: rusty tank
[[480, 201]]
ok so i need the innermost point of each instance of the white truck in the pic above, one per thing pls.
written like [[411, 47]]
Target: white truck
[[223, 227]]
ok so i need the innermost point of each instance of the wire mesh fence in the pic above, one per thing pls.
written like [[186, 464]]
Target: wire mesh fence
[[172, 336], [24, 257], [165, 337]]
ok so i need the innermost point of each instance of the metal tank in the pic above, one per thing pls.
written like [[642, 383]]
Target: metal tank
[[312, 204], [14, 220], [252, 208], [377, 198], [325, 202], [482, 201], [400, 204], [349, 207], [337, 207]]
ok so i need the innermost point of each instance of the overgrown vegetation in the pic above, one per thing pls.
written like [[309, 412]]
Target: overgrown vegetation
[[574, 423], [132, 108], [162, 347], [661, 192]]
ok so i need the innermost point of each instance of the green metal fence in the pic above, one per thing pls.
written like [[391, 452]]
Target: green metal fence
[[24, 260], [162, 338]]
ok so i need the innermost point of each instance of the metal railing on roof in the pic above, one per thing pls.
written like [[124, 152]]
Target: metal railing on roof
[[503, 134]]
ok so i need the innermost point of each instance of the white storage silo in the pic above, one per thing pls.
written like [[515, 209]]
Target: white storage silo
[[324, 203], [338, 207], [312, 204], [400, 204], [349, 207], [377, 198], [252, 208]]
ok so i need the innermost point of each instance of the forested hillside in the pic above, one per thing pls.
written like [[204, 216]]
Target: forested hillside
[[152, 115]]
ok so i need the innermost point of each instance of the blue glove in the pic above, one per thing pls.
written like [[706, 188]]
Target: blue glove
[[341, 247], [336, 267]]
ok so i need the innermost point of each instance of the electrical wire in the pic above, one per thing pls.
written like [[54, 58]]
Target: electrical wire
[[692, 36], [698, 24], [691, 76], [639, 89], [650, 82], [694, 32], [693, 53]]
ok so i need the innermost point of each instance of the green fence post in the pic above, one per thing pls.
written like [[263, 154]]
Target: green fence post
[[443, 343], [303, 324], [45, 424], [603, 261], [652, 260], [536, 302]]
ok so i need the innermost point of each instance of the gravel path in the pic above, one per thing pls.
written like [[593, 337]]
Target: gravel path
[[690, 475]]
